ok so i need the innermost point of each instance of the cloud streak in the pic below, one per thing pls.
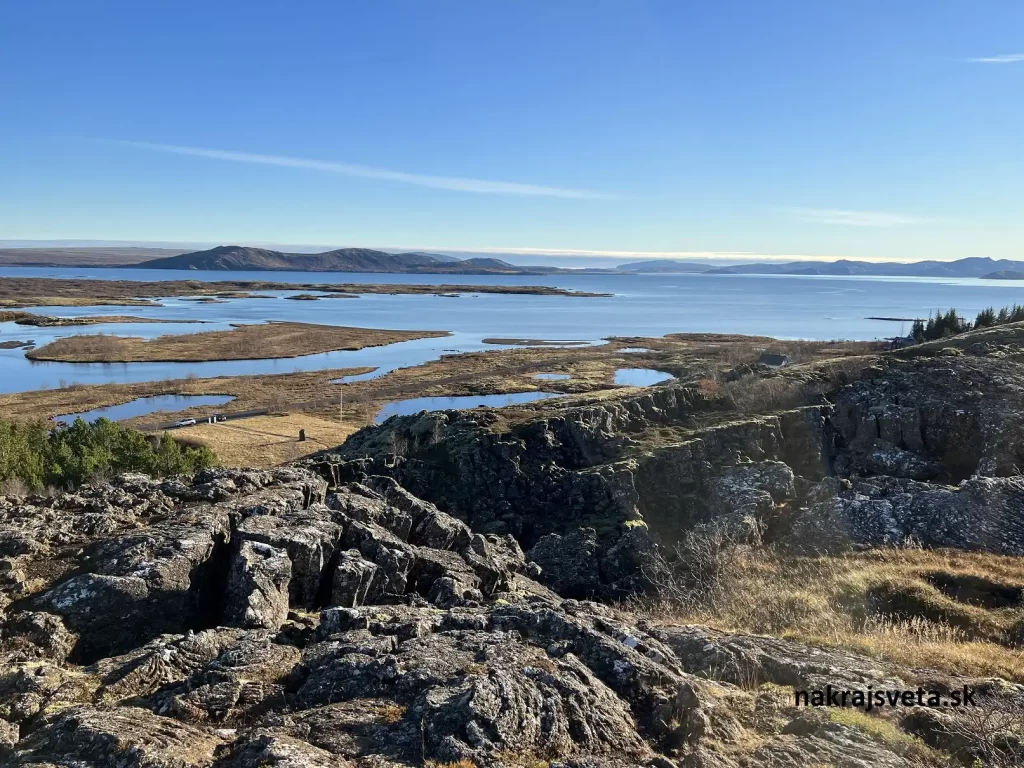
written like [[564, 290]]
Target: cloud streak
[[855, 218], [451, 183], [1009, 58]]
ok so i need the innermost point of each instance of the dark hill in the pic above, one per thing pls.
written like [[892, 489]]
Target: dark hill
[[243, 258], [497, 264], [233, 257]]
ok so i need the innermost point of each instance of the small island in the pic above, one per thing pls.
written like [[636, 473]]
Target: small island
[[242, 342], [16, 292]]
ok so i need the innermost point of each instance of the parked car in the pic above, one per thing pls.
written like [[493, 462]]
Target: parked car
[[219, 417], [185, 423]]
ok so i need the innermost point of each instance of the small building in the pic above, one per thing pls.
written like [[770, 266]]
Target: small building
[[773, 360]]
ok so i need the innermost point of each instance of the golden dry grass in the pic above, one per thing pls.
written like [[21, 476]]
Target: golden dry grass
[[48, 300], [267, 441], [243, 342], [834, 601]]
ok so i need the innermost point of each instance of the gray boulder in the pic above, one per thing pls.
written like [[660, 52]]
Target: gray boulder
[[257, 589], [569, 564]]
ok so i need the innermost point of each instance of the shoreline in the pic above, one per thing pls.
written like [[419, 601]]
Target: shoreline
[[591, 370], [258, 341], [20, 292]]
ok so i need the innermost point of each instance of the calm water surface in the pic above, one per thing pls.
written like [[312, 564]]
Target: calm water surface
[[642, 305], [417, 404], [640, 377]]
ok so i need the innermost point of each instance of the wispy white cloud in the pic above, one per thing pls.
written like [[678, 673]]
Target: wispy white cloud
[[855, 218], [453, 183], [1009, 58]]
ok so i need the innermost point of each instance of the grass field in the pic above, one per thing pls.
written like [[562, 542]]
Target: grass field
[[267, 440], [946, 610]]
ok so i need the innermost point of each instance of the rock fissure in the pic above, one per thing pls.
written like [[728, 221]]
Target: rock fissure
[[461, 604]]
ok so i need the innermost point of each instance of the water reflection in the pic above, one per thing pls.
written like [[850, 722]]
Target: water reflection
[[640, 377], [417, 404]]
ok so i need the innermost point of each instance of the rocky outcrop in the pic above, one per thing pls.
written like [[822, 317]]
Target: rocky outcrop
[[926, 449], [445, 606], [251, 619], [257, 588]]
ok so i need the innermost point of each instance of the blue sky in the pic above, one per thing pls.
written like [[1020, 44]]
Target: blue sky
[[854, 128]]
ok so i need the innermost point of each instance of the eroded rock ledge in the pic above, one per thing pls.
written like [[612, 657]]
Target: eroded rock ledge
[[439, 606], [258, 618]]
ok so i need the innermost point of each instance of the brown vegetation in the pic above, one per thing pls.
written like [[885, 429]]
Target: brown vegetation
[[47, 321], [267, 441], [698, 359], [243, 342], [40, 291], [933, 609]]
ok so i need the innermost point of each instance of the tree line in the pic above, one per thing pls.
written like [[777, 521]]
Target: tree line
[[36, 454], [950, 323]]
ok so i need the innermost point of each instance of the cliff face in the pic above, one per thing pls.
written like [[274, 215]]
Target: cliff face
[[925, 449]]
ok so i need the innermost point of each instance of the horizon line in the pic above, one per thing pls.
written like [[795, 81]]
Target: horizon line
[[695, 256]]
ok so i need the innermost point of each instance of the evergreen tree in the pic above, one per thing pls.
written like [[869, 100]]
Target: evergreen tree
[[39, 455], [986, 318]]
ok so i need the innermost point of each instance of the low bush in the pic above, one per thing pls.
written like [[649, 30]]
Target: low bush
[[36, 455]]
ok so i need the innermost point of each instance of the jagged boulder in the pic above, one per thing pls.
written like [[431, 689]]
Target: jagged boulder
[[309, 536], [264, 751], [257, 589], [569, 564], [245, 679], [356, 580], [127, 736]]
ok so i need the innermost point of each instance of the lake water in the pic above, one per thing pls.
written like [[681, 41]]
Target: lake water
[[642, 305], [417, 404], [640, 377], [552, 376]]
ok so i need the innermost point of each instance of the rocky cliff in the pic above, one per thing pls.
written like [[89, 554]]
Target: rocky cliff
[[257, 618], [924, 449], [430, 593]]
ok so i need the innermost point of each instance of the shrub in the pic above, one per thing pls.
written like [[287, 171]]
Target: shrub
[[35, 455]]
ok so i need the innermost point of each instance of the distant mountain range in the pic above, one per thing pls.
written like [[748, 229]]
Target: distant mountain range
[[243, 258], [986, 268], [664, 265]]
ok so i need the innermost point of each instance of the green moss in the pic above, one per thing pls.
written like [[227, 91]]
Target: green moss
[[886, 732]]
